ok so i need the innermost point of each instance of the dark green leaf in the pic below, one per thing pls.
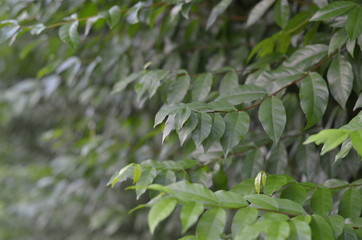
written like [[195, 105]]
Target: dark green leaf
[[274, 182], [243, 93], [321, 202], [338, 39], [299, 230], [354, 23], [295, 193], [350, 205], [228, 83], [217, 131], [321, 230], [201, 87], [333, 10], [187, 128]]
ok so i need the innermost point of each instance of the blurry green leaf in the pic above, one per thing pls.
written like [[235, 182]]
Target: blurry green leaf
[[115, 15], [340, 79], [123, 174], [202, 129], [281, 12], [181, 117], [333, 10], [242, 218], [190, 213], [211, 224], [272, 117], [258, 11], [178, 89], [37, 29], [132, 13], [243, 93], [337, 223], [68, 33], [228, 83], [356, 139], [321, 202], [277, 231], [188, 192], [321, 230], [274, 182], [331, 138], [201, 87], [169, 126], [187, 128], [350, 205], [358, 102], [263, 201], [338, 39], [253, 163], [217, 131], [159, 211], [294, 192], [148, 174], [137, 172], [228, 199], [354, 23], [217, 11], [299, 230], [8, 29], [236, 127], [313, 98], [345, 148], [289, 206]]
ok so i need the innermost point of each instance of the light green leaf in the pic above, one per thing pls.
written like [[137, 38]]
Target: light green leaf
[[190, 213], [243, 93], [338, 39], [246, 187], [252, 231], [299, 230], [242, 218], [274, 182], [228, 199], [187, 192], [355, 124], [272, 117], [228, 83], [169, 126], [337, 223], [356, 139], [321, 230], [159, 211], [340, 79], [188, 127], [353, 24], [211, 224], [68, 33], [331, 138], [137, 173], [281, 12], [8, 29], [123, 174], [313, 98], [217, 131], [202, 129], [165, 111], [333, 10], [253, 163], [123, 83], [258, 11], [178, 89], [217, 11], [307, 56], [277, 231], [181, 117], [345, 148], [263, 201], [289, 206], [148, 175], [295, 192], [201, 87], [350, 205], [322, 202], [236, 127]]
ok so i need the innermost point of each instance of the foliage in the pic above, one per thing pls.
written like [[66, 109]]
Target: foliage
[[213, 117]]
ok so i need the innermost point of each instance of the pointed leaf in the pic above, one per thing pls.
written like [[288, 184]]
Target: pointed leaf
[[201, 87], [170, 125], [165, 111], [353, 24], [181, 117], [217, 131], [148, 175], [258, 11], [68, 33], [202, 129], [217, 11], [333, 10], [159, 211], [281, 12], [358, 102], [274, 182], [228, 83], [187, 128], [211, 224], [190, 213], [263, 201], [350, 205], [289, 206], [313, 98], [322, 202], [8, 29], [338, 39]]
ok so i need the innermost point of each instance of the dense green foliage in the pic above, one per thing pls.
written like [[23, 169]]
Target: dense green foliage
[[209, 112]]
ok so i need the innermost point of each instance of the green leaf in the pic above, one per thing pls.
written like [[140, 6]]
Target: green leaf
[[236, 127], [178, 89], [299, 230], [321, 230], [202, 129], [230, 199], [358, 102], [165, 111], [350, 205], [340, 79], [331, 138], [272, 117], [274, 182], [187, 192], [295, 193], [115, 15], [221, 106], [68, 33], [253, 163], [228, 83], [322, 202], [345, 148], [217, 11], [356, 139], [313, 98], [159, 211], [169, 126], [243, 93], [263, 201], [201, 87], [258, 11], [307, 56], [8, 29], [337, 223], [333, 10], [338, 39], [211, 224], [281, 12], [217, 131], [278, 159], [277, 231], [187, 128], [289, 206], [123, 174], [242, 218], [123, 83], [148, 175], [181, 117], [137, 173], [353, 24], [190, 213]]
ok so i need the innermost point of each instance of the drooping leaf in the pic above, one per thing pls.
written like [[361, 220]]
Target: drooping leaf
[[181, 117], [340, 79], [169, 126], [165, 111], [159, 211], [236, 127], [253, 163], [263, 201], [281, 12], [148, 175], [211, 224], [333, 10], [202, 129], [258, 10], [68, 33], [353, 24], [187, 128], [356, 139], [277, 230], [358, 102], [321, 230], [272, 117], [350, 205], [178, 88], [338, 39], [228, 83], [201, 87], [190, 213], [313, 98], [321, 202], [217, 11], [217, 131]]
